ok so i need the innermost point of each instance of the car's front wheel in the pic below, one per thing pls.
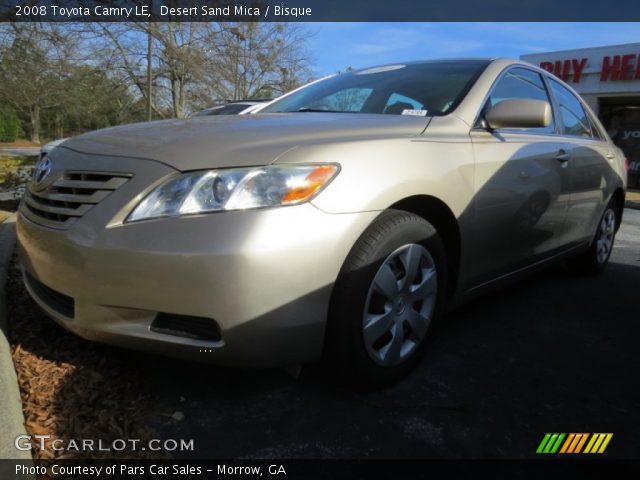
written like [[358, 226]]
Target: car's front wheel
[[389, 292]]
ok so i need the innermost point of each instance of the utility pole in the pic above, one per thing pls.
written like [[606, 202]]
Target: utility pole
[[149, 67]]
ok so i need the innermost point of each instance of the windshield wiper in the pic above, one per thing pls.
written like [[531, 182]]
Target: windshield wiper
[[318, 110]]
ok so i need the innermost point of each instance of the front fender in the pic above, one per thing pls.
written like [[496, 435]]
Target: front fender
[[378, 173]]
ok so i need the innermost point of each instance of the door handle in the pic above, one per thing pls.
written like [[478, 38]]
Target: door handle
[[563, 155], [610, 156]]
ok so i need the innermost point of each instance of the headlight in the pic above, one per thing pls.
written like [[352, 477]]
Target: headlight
[[235, 189]]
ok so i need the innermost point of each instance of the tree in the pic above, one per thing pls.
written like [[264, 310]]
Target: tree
[[9, 125], [48, 75], [252, 60], [67, 78], [30, 70], [95, 100], [200, 64], [177, 61]]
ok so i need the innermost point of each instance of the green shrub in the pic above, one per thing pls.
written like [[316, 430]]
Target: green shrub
[[9, 125]]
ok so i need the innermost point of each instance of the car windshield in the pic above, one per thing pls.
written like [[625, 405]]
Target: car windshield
[[427, 88]]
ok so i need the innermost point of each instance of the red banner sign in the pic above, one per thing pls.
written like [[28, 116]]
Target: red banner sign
[[614, 68]]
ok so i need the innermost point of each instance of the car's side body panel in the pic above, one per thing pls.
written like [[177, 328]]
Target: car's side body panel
[[442, 168], [593, 181], [516, 202], [520, 199]]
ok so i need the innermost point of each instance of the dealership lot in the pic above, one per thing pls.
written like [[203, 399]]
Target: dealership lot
[[553, 352]]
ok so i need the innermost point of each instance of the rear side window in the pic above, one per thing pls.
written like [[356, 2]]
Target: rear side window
[[572, 116], [597, 134], [519, 84]]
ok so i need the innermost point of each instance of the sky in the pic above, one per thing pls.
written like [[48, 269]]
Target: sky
[[336, 46]]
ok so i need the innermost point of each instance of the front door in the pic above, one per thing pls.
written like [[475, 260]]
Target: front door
[[522, 185], [521, 199]]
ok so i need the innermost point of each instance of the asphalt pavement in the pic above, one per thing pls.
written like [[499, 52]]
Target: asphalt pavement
[[552, 353]]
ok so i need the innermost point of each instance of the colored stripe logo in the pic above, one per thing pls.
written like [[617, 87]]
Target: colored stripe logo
[[574, 442]]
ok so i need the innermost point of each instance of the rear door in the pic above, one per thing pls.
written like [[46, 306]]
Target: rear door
[[521, 185], [592, 177]]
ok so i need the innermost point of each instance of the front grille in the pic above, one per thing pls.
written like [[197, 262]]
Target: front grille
[[71, 196], [57, 301], [198, 328]]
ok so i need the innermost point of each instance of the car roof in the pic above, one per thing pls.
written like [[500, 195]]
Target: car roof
[[479, 60]]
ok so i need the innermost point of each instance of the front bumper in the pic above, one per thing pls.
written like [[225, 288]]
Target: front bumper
[[264, 276]]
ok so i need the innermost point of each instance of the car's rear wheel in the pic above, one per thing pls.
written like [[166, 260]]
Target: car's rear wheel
[[389, 293], [596, 258]]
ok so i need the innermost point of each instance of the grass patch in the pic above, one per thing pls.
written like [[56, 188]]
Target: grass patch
[[10, 168], [14, 175], [20, 161]]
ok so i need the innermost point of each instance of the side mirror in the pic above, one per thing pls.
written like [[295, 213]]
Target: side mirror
[[519, 113]]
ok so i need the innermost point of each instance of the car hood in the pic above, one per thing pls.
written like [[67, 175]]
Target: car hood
[[239, 140]]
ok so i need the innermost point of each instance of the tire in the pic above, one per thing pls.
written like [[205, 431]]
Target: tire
[[594, 260], [377, 327]]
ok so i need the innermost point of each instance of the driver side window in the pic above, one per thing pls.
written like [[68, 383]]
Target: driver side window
[[520, 84]]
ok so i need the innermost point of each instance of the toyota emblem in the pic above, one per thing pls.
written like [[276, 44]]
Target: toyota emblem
[[42, 171]]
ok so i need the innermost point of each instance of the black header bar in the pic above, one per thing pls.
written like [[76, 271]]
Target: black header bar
[[319, 10]]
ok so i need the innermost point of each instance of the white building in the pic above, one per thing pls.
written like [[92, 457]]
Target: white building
[[602, 75]]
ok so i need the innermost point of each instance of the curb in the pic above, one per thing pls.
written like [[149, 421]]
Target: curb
[[11, 416], [633, 199], [7, 241]]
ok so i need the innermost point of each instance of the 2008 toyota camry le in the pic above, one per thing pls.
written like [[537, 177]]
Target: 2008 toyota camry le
[[338, 222]]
